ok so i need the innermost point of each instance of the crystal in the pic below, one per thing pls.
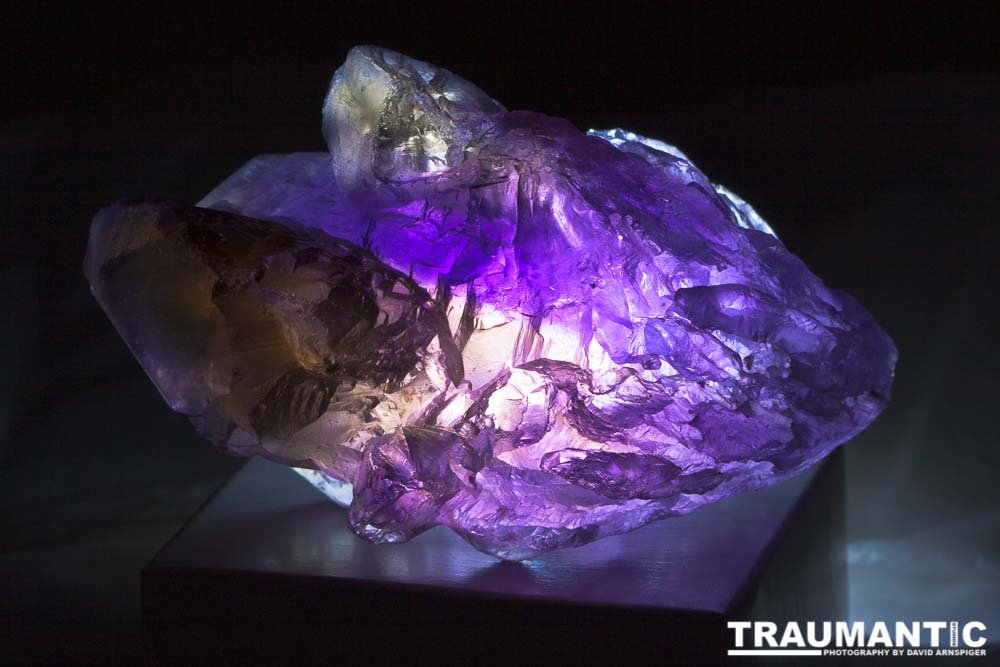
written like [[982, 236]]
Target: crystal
[[489, 320]]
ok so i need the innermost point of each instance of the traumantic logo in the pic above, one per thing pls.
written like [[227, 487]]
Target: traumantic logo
[[842, 638]]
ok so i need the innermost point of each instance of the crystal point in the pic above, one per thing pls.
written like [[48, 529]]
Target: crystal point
[[489, 320]]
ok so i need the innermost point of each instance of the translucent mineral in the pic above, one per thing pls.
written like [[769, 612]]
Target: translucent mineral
[[489, 320]]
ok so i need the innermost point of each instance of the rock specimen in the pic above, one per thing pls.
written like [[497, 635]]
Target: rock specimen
[[489, 320]]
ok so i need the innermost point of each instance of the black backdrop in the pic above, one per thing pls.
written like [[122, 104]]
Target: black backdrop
[[866, 136]]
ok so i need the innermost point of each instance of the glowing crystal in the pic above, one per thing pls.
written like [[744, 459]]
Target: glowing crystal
[[489, 320]]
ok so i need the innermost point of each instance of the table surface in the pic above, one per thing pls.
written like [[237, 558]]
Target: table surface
[[268, 519]]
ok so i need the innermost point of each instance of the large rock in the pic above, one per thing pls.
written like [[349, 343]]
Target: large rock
[[489, 320]]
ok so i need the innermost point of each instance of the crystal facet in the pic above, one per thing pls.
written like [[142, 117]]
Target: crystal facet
[[489, 320]]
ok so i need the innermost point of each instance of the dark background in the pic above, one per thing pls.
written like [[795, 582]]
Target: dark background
[[866, 135]]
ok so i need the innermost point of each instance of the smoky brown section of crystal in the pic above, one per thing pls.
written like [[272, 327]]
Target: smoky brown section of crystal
[[259, 330]]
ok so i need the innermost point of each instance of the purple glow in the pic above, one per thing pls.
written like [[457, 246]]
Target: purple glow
[[489, 320]]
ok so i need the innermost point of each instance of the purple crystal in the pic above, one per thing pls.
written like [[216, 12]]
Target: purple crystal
[[489, 320]]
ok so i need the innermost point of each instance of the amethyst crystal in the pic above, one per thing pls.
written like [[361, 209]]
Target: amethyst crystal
[[489, 320]]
